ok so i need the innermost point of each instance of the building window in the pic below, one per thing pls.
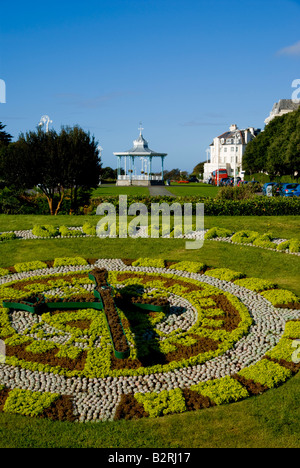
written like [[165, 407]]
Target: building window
[[232, 148], [225, 150]]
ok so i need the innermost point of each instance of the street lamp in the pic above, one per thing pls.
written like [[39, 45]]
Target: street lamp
[[45, 120], [236, 140]]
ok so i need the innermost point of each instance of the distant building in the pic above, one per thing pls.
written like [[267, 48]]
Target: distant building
[[284, 106], [227, 150]]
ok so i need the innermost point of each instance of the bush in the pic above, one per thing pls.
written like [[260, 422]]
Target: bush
[[244, 237], [6, 236], [66, 261], [255, 284], [217, 232], [193, 267], [294, 245], [280, 297], [265, 241], [30, 266], [67, 232], [150, 262], [44, 231], [88, 229], [224, 274], [244, 192]]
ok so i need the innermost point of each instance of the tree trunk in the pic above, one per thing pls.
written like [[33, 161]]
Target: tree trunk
[[60, 201]]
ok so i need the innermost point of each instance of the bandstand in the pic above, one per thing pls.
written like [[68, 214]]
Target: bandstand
[[138, 164]]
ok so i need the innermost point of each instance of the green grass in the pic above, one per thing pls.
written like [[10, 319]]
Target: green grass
[[277, 267], [193, 190], [282, 226], [270, 420], [107, 190]]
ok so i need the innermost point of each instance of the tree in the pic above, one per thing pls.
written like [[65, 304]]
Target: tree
[[277, 149], [53, 162], [5, 138], [199, 169]]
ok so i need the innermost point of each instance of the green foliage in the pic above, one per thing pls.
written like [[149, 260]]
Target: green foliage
[[244, 237], [224, 390], [265, 241], [294, 245], [276, 150], [4, 272], [193, 267], [160, 404], [28, 403], [217, 232], [6, 236], [280, 297], [292, 330], [150, 262], [30, 266], [266, 373], [255, 284], [67, 232], [44, 231], [283, 245], [55, 163], [89, 229], [63, 261], [243, 192], [224, 274], [37, 347]]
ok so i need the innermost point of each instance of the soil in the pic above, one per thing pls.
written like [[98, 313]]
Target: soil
[[49, 357]]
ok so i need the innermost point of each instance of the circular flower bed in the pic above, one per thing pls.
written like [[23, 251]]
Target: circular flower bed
[[115, 339]]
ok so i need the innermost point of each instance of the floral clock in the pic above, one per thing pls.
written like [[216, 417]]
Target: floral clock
[[104, 339]]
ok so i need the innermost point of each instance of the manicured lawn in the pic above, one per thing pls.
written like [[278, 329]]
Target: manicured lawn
[[274, 266], [107, 190], [193, 190], [281, 226]]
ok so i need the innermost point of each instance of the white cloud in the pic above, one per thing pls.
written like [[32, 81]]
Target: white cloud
[[293, 50]]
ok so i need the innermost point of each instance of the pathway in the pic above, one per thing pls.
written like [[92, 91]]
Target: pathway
[[160, 191]]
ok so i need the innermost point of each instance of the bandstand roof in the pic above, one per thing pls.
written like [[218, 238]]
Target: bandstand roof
[[140, 148]]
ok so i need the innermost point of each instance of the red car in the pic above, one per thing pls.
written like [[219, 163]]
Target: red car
[[218, 175]]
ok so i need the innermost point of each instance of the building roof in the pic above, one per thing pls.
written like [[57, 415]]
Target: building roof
[[140, 148], [283, 106]]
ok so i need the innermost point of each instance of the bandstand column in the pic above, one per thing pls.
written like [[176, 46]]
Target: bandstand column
[[162, 167]]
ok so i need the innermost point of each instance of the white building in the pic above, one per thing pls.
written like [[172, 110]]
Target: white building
[[284, 106], [227, 150]]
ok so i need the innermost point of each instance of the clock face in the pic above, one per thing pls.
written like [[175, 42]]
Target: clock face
[[121, 330]]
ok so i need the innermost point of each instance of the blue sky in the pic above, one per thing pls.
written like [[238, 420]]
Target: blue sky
[[186, 69]]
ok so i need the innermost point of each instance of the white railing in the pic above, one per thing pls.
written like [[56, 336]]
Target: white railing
[[139, 177]]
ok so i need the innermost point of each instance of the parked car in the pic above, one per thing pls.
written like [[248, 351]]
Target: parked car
[[264, 188], [193, 179], [297, 191], [287, 190]]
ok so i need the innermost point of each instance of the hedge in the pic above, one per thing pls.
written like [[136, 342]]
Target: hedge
[[259, 206]]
